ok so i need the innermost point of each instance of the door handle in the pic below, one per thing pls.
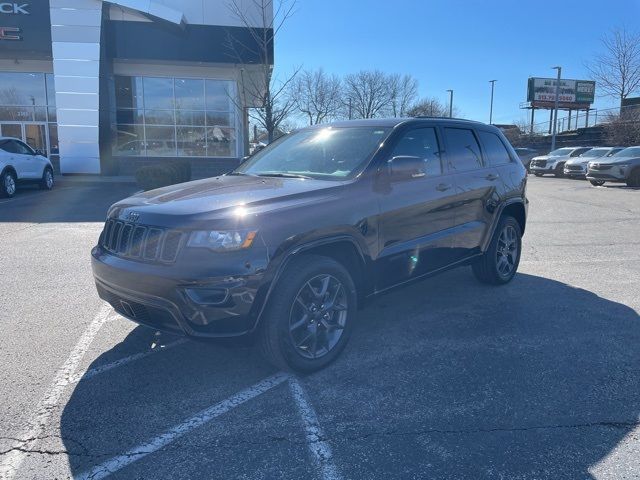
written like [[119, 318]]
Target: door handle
[[491, 177], [442, 187]]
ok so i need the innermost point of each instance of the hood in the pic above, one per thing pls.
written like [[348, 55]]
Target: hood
[[215, 198], [615, 160], [582, 160]]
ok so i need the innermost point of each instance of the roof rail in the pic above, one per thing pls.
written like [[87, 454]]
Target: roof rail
[[446, 118]]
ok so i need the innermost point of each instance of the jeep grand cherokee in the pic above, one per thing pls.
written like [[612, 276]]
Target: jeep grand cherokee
[[290, 243]]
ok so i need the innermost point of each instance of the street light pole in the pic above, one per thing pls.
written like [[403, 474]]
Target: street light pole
[[492, 82], [555, 115], [450, 103]]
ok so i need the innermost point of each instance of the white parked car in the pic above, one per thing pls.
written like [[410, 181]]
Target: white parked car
[[554, 161], [577, 167], [20, 164]]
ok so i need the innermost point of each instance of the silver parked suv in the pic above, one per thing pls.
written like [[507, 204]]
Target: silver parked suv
[[577, 167], [623, 167], [554, 161]]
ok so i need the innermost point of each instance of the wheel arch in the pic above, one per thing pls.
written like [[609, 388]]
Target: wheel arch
[[10, 168], [515, 208], [344, 249]]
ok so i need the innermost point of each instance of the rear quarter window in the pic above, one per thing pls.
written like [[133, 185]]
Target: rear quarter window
[[495, 151]]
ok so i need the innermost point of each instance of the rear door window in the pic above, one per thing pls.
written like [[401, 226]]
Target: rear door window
[[463, 150], [495, 151]]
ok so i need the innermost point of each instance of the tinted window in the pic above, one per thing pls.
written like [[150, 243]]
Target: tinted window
[[422, 143], [463, 151], [579, 151], [496, 153], [10, 146], [22, 148]]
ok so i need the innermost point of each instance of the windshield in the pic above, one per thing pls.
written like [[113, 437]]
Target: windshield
[[328, 153], [629, 152], [596, 152], [561, 152]]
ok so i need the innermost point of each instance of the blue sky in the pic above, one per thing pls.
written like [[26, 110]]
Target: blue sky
[[455, 44]]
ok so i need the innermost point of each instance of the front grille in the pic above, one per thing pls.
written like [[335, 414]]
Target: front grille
[[574, 168], [140, 242], [601, 167], [539, 163]]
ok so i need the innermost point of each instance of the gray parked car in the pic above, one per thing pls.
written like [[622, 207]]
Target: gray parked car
[[526, 155], [554, 161], [623, 167], [577, 167]]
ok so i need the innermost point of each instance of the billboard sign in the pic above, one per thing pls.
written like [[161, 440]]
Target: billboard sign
[[543, 91]]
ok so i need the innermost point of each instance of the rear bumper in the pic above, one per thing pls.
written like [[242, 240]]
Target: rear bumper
[[161, 297]]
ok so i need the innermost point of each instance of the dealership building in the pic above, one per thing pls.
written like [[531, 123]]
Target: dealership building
[[104, 87]]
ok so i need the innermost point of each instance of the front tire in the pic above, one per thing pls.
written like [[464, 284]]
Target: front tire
[[8, 184], [46, 183], [559, 171], [596, 183], [538, 174], [310, 315], [634, 178], [499, 263]]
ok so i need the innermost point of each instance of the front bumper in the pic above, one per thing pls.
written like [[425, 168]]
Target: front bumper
[[537, 169], [161, 296], [574, 173], [612, 175]]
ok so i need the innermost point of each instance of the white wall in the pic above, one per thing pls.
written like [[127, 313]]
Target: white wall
[[75, 35]]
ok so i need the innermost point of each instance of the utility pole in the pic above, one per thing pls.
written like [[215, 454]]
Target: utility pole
[[555, 116], [492, 82], [450, 103]]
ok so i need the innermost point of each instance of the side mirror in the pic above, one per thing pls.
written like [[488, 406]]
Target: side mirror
[[406, 167], [41, 153], [244, 159]]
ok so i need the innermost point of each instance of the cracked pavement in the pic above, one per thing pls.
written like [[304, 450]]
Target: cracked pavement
[[442, 379]]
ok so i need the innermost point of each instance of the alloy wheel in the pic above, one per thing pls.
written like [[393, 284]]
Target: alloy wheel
[[507, 251], [9, 184], [318, 316], [48, 177]]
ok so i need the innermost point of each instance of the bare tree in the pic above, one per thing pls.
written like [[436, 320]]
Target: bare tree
[[623, 129], [617, 70], [428, 107], [317, 95], [403, 90], [263, 19], [366, 94]]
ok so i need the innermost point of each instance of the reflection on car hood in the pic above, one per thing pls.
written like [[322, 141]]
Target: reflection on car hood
[[220, 196], [615, 160]]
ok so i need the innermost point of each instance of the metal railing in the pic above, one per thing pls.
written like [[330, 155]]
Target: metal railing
[[582, 119]]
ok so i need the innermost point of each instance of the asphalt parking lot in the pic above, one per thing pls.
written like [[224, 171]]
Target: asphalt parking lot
[[446, 378]]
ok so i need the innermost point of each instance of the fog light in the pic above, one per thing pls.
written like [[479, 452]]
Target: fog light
[[207, 296]]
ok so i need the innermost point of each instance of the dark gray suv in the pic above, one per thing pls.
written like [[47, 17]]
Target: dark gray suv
[[288, 246]]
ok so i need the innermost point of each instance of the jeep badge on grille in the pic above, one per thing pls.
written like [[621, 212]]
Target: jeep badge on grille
[[132, 217]]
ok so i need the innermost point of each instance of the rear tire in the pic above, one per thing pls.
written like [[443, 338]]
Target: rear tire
[[46, 183], [310, 315], [8, 184], [596, 183], [634, 178], [499, 263]]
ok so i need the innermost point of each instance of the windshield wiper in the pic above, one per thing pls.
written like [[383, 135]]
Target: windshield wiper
[[241, 174], [283, 175]]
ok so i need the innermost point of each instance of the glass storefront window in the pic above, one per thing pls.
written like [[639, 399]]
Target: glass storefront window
[[160, 141], [26, 89], [189, 94], [51, 90], [158, 93], [129, 140], [175, 117], [128, 92]]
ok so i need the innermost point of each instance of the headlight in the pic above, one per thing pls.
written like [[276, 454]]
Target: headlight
[[221, 241]]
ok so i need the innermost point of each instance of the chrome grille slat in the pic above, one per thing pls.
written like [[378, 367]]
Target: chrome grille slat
[[152, 244]]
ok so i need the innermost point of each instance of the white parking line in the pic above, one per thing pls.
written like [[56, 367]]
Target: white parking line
[[318, 447], [123, 361], [117, 463], [38, 421]]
